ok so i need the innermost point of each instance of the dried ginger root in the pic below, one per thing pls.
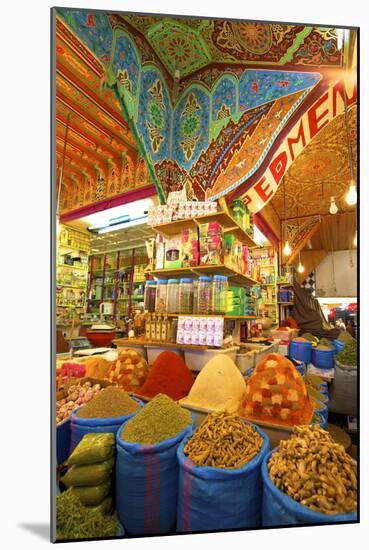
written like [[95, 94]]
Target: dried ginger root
[[223, 441], [314, 470]]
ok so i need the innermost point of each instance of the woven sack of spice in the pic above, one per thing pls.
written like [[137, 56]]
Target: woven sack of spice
[[107, 418], [318, 503], [212, 498], [147, 473], [343, 390]]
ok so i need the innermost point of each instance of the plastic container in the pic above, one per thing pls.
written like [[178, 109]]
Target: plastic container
[[300, 350], [150, 296], [338, 346], [279, 509], [62, 441], [185, 296], [219, 294], [197, 359], [323, 359], [173, 296], [245, 361], [161, 297], [204, 295]]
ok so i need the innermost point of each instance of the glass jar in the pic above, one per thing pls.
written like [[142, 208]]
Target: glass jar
[[172, 296], [195, 284], [161, 296], [219, 294], [204, 296], [185, 296], [150, 296]]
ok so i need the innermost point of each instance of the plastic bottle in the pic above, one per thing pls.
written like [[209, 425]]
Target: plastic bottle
[[150, 296], [219, 294], [204, 296], [185, 296], [172, 296], [161, 296]]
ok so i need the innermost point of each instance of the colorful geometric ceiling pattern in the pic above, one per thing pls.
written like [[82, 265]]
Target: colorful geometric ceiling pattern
[[321, 171], [198, 112], [101, 157]]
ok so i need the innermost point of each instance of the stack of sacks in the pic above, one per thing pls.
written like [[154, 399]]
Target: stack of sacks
[[129, 370], [90, 470], [219, 387], [168, 375], [276, 393]]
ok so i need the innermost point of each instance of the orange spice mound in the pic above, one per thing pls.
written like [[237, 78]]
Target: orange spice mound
[[169, 375], [276, 393]]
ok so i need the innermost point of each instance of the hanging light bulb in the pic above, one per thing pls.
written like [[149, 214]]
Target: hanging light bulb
[[351, 196], [333, 206], [300, 267], [354, 242], [287, 249]]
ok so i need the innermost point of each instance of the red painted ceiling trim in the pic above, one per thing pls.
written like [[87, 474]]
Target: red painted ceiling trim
[[265, 228], [130, 196]]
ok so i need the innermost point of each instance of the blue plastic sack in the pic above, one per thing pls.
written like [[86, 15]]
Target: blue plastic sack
[[279, 509], [147, 485], [62, 441], [338, 346], [82, 426], [215, 498]]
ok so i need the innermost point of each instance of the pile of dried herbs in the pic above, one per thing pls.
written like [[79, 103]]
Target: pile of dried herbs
[[348, 356], [75, 521], [160, 419], [109, 403]]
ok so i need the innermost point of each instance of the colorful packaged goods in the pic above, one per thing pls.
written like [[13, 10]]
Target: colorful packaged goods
[[190, 247], [173, 252], [219, 386], [168, 375], [276, 393], [211, 243], [129, 370]]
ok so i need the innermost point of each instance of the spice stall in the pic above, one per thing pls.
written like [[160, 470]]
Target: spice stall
[[200, 383]]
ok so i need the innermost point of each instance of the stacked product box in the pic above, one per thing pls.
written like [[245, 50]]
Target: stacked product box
[[190, 247], [237, 255], [211, 243], [203, 331], [179, 210]]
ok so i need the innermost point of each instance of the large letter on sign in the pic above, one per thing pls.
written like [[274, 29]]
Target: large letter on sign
[[278, 167], [261, 191]]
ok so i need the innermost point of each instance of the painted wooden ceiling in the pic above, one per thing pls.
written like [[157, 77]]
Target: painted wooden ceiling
[[99, 141], [189, 45], [321, 171]]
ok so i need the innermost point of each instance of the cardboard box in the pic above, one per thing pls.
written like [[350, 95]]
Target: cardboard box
[[173, 252]]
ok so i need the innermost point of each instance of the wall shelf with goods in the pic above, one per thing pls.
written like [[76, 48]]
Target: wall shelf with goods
[[116, 278], [211, 255], [73, 247], [265, 269]]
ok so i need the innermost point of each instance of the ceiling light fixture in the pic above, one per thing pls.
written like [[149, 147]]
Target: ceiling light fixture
[[287, 249], [300, 267], [333, 206], [354, 242], [351, 195]]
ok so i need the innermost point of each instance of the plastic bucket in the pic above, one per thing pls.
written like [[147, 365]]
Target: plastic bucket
[[323, 359], [338, 346], [300, 350]]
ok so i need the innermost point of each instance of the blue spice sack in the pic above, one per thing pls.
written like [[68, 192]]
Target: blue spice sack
[[147, 485], [82, 426], [218, 498], [279, 509]]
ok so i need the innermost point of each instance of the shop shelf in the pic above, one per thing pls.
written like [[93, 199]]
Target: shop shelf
[[229, 224], [81, 268], [286, 303], [235, 278], [209, 315], [71, 286]]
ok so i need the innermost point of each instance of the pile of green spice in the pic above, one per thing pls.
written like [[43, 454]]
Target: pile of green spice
[[348, 356], [75, 521], [160, 419], [110, 402]]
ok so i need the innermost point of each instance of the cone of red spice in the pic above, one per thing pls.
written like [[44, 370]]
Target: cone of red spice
[[170, 375]]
